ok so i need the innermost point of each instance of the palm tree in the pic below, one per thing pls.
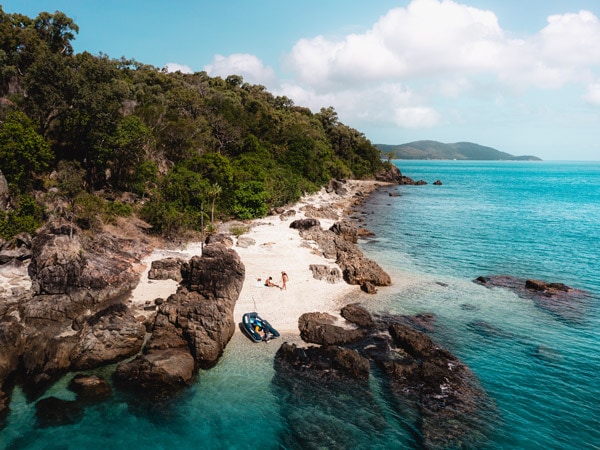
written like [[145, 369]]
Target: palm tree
[[213, 192]]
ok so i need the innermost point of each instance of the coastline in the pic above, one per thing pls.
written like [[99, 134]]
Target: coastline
[[269, 247]]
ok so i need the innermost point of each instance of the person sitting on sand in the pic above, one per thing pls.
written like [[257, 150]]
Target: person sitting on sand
[[284, 280], [269, 282]]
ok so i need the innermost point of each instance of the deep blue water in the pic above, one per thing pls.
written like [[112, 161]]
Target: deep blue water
[[531, 220]]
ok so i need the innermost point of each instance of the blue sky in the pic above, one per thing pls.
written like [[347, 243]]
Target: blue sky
[[520, 76]]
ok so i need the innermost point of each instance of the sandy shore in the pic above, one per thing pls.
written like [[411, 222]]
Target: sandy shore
[[276, 248]]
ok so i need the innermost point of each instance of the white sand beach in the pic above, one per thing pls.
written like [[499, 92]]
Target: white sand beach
[[276, 248]]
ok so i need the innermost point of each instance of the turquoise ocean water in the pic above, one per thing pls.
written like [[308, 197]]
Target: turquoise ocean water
[[525, 219]]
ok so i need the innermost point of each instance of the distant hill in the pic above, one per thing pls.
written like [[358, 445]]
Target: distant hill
[[459, 150]]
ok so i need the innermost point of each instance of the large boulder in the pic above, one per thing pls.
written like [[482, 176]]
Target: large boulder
[[346, 229], [305, 224], [90, 388], [323, 272], [320, 328], [102, 269], [193, 326], [108, 336], [358, 315], [390, 175], [331, 363], [166, 269]]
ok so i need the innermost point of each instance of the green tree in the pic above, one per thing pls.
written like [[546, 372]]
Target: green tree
[[250, 200], [24, 153], [127, 153], [70, 183]]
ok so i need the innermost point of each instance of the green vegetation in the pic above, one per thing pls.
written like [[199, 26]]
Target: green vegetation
[[189, 148], [459, 150]]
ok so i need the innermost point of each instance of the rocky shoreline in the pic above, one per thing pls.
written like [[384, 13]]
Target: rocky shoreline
[[76, 317]]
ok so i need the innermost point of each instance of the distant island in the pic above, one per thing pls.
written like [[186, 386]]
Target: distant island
[[439, 150]]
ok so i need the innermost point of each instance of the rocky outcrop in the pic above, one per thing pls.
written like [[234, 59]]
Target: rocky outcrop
[[108, 336], [100, 270], [304, 224], [422, 380], [323, 272], [390, 175], [314, 212], [74, 316], [166, 269], [193, 326], [320, 328], [18, 249], [329, 363], [338, 187], [222, 238], [562, 301], [393, 175], [338, 243]]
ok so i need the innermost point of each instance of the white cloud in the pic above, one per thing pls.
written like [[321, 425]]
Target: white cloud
[[440, 38], [571, 39], [385, 104], [417, 65], [248, 66], [174, 67], [413, 57], [425, 38], [592, 95]]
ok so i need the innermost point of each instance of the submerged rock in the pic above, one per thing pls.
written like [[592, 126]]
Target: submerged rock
[[53, 412], [90, 388], [565, 302], [423, 381]]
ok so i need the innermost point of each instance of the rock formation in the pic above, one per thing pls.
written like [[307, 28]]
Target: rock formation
[[339, 243], [422, 380], [74, 316], [192, 326], [393, 175], [166, 269], [564, 302]]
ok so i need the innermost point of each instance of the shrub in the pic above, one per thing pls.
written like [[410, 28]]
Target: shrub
[[238, 230], [27, 217]]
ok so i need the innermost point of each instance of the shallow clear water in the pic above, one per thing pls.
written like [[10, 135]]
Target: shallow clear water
[[531, 220]]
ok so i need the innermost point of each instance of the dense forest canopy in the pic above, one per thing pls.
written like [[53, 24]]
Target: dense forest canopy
[[78, 131]]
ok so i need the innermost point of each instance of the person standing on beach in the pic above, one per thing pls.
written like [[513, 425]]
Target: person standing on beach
[[284, 280]]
